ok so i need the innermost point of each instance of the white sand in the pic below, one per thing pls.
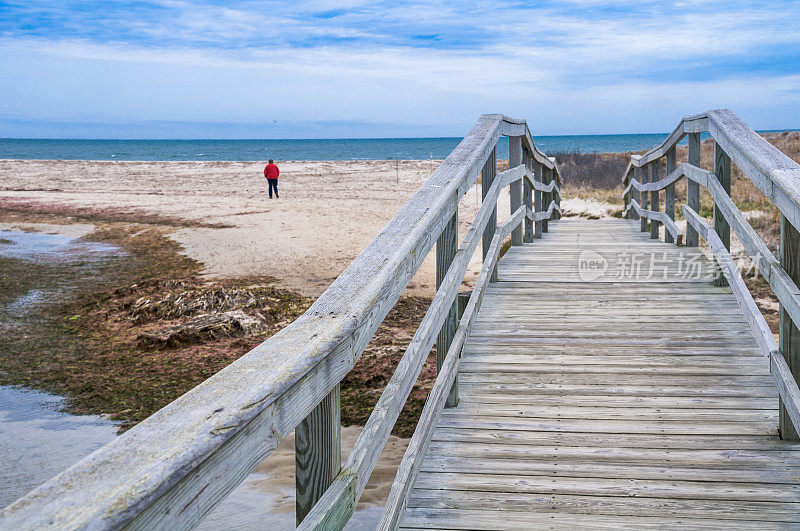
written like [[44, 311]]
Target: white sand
[[328, 211]]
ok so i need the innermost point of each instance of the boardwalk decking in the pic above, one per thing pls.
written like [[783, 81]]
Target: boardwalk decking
[[623, 400]]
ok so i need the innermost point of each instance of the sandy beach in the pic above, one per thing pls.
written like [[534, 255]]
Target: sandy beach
[[327, 212]]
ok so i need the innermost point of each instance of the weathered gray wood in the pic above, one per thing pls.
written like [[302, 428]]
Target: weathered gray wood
[[557, 191], [722, 170], [538, 198], [640, 175], [669, 195], [412, 459], [789, 414], [789, 333], [487, 177], [692, 188], [318, 451], [527, 198], [651, 412], [337, 504], [633, 193], [515, 189], [655, 169], [446, 247], [669, 225], [547, 197]]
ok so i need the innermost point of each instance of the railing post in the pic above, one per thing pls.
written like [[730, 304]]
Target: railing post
[[515, 188], [487, 177], [789, 335], [547, 197], [639, 174], [669, 196], [446, 247], [556, 195], [527, 199], [693, 189], [318, 453], [634, 194], [538, 197], [722, 168], [655, 170]]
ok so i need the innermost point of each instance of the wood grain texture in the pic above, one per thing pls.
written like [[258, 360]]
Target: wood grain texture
[[789, 336], [722, 171], [515, 188], [538, 198], [337, 504], [570, 414], [692, 188], [446, 247], [417, 447], [318, 451], [655, 170], [669, 194]]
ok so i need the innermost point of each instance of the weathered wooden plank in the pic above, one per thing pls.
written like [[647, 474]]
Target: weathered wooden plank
[[605, 441], [487, 177], [697, 490], [538, 198], [640, 174], [479, 519], [318, 451], [446, 247], [515, 188], [722, 170], [669, 195], [655, 170], [563, 468], [337, 504], [527, 197], [789, 333], [412, 459], [742, 459], [730, 510], [692, 187]]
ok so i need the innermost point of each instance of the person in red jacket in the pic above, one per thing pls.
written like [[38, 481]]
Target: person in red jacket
[[271, 172]]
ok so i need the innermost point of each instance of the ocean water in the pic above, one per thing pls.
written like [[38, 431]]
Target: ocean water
[[314, 149]]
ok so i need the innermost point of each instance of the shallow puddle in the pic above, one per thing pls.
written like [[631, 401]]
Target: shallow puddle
[[38, 441]]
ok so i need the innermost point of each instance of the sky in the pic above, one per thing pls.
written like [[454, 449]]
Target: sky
[[352, 68]]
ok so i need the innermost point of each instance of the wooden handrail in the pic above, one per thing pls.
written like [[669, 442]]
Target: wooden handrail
[[785, 382], [172, 468], [415, 452], [778, 177], [336, 506]]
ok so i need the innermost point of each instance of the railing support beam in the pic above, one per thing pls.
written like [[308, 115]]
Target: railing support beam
[[446, 247], [693, 189], [547, 197], [515, 188], [538, 198], [722, 169], [487, 177], [655, 171], [789, 335], [640, 174], [527, 199], [318, 453], [669, 195]]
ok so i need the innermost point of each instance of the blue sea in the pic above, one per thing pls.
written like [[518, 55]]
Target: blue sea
[[314, 149]]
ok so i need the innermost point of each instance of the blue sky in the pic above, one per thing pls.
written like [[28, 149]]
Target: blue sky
[[246, 69]]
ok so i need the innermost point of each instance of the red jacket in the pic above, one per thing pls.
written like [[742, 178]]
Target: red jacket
[[271, 171]]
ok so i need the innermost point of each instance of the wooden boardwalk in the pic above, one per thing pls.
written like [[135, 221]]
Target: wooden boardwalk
[[638, 398]]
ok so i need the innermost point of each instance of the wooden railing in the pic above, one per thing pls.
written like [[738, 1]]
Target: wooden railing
[[171, 469], [778, 177]]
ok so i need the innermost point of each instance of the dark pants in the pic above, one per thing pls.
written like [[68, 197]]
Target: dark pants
[[273, 185]]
